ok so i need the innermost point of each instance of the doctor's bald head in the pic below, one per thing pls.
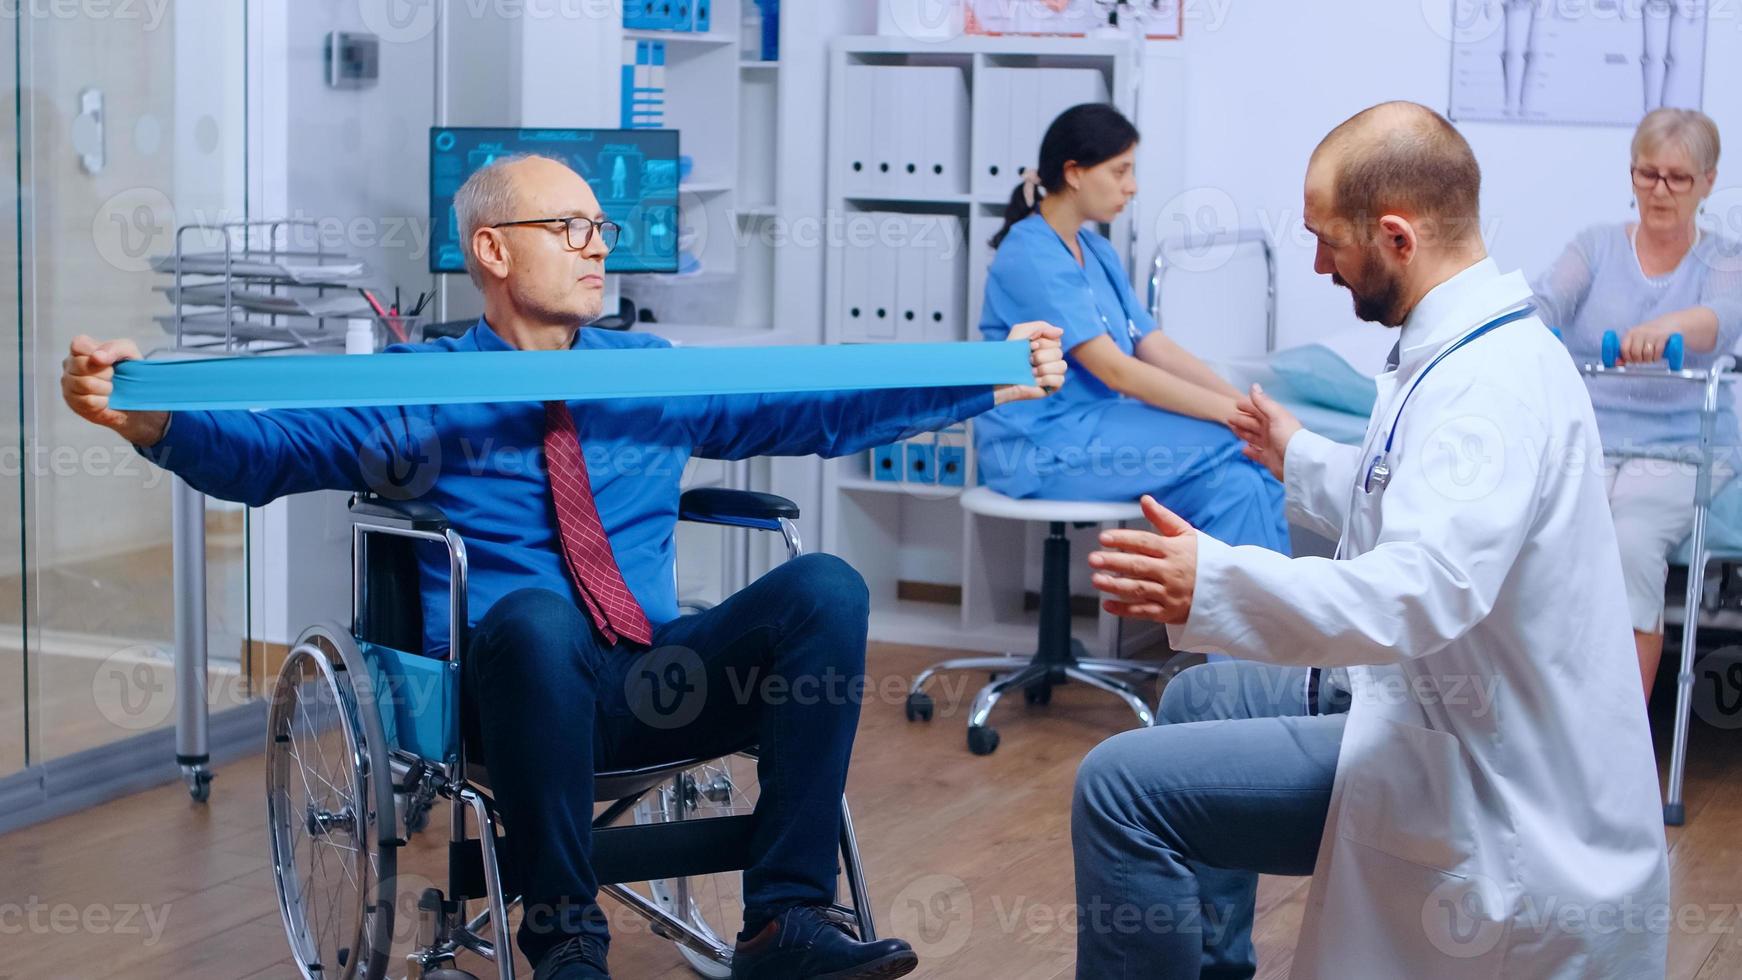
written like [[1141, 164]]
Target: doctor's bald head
[[1392, 194]]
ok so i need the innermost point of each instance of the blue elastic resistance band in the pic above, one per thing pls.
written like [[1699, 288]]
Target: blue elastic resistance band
[[420, 378]]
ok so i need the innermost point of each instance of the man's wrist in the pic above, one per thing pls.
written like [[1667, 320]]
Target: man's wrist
[[153, 433]]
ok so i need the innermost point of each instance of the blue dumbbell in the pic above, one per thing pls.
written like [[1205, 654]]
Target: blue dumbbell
[[1674, 350], [1557, 334]]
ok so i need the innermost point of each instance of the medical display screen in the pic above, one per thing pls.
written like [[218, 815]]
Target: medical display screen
[[633, 172]]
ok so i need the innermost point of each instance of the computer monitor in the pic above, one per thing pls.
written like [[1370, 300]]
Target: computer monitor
[[634, 173]]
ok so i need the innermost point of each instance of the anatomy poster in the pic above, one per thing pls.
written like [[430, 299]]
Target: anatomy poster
[[1605, 62], [1157, 19]]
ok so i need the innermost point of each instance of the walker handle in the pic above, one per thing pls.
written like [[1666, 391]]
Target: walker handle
[[1674, 350]]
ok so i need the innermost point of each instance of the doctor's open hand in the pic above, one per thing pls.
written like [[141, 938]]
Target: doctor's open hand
[[1149, 576], [88, 377], [1044, 355], [1266, 427]]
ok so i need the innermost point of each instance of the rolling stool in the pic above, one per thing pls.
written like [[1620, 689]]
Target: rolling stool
[[1058, 656]]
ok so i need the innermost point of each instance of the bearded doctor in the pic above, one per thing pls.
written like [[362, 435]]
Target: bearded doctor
[[1478, 798]]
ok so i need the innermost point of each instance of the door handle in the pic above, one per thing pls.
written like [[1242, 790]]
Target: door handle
[[88, 128]]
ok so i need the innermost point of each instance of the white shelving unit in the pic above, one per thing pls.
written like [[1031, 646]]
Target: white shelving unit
[[899, 535], [728, 111]]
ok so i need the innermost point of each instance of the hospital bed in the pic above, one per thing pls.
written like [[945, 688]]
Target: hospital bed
[[1328, 394], [1333, 397], [1318, 382]]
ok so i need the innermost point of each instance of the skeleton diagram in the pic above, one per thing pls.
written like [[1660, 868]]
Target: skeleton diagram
[[1668, 27]]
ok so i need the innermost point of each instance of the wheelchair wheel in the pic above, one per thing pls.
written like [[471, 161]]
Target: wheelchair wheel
[[712, 904], [329, 806]]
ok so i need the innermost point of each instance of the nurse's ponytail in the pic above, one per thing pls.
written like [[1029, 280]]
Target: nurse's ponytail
[[1087, 135]]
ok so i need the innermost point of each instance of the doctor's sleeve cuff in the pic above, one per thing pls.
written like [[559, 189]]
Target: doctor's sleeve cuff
[[1199, 633], [1317, 477]]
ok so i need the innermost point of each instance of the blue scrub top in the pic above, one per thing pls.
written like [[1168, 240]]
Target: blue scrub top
[[1035, 277]]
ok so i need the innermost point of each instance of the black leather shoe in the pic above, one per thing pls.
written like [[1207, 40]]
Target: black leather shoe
[[575, 958], [801, 944]]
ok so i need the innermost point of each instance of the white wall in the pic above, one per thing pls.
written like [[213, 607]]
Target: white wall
[[357, 159], [356, 162], [1266, 81]]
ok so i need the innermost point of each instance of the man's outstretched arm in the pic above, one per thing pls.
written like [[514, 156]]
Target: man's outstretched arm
[[250, 457], [843, 422]]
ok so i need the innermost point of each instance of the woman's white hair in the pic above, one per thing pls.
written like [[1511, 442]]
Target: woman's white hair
[[1694, 130], [487, 198]]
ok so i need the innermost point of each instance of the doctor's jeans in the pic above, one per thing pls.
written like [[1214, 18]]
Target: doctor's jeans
[[1172, 825], [779, 664]]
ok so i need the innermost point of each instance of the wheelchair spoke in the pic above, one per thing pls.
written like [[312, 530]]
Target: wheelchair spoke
[[326, 863]]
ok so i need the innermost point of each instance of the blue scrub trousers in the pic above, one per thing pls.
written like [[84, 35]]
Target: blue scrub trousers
[[1195, 468], [1172, 825]]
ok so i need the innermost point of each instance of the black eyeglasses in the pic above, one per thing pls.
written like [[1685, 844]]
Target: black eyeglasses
[[579, 231], [1646, 179]]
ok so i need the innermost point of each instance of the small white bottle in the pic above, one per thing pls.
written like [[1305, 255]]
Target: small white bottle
[[359, 336]]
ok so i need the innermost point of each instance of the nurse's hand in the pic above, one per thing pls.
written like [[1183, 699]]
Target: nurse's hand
[[1149, 576], [1266, 428], [1044, 354], [87, 378]]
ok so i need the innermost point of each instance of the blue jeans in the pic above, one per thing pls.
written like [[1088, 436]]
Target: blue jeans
[[780, 665], [1172, 825]]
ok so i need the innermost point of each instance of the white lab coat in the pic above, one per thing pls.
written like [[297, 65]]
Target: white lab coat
[[1495, 809]]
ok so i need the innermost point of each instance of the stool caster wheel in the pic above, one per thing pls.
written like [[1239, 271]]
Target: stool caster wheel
[[919, 706], [199, 782], [982, 739], [1038, 693]]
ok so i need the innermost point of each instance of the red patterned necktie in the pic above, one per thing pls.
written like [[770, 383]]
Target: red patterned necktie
[[586, 549]]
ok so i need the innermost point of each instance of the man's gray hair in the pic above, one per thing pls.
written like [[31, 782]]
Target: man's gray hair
[[487, 198]]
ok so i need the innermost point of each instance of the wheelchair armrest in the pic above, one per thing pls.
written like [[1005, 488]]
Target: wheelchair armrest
[[738, 508], [403, 515]]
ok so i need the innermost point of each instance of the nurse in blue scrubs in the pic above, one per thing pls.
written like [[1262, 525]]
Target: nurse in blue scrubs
[[1141, 414]]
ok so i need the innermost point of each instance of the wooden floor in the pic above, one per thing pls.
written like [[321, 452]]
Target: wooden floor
[[969, 858], [95, 628]]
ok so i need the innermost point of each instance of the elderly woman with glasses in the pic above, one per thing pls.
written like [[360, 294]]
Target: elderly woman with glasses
[[1649, 279]]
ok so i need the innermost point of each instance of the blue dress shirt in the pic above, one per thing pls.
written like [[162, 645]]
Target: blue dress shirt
[[483, 465]]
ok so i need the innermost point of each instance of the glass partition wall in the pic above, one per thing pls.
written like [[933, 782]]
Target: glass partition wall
[[125, 121]]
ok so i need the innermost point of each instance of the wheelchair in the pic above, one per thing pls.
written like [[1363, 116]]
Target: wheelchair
[[364, 735]]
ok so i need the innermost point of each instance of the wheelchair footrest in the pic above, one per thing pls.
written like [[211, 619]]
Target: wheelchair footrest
[[685, 848]]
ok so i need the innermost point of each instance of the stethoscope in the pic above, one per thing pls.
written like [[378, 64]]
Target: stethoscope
[[1130, 330], [1379, 469]]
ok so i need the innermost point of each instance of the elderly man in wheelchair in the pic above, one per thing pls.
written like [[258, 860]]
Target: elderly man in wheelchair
[[582, 681]]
